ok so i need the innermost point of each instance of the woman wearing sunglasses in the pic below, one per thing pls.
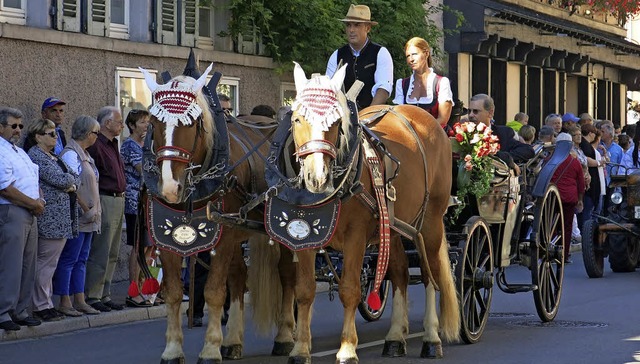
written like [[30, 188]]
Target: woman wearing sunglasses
[[59, 221]]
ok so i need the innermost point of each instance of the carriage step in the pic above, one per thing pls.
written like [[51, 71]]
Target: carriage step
[[518, 288]]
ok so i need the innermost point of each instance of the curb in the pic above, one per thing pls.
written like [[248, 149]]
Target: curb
[[88, 321]]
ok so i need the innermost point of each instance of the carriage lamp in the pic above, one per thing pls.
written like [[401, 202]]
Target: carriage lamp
[[616, 198]]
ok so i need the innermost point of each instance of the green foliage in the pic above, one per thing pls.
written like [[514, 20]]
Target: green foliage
[[308, 31]]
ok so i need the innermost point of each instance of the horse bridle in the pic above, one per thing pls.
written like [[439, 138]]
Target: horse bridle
[[317, 146], [177, 154]]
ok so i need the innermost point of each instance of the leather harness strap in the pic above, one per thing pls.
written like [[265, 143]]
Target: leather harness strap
[[378, 180]]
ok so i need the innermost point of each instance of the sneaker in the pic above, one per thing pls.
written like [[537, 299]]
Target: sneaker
[[86, 309], [47, 315], [100, 306]]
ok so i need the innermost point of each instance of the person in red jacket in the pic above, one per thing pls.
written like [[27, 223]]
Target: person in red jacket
[[569, 179]]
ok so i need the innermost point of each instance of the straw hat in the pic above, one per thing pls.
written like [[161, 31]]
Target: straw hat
[[359, 14]]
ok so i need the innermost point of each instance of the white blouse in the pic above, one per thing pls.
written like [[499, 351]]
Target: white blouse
[[444, 93]]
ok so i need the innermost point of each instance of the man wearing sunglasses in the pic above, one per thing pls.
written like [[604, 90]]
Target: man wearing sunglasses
[[20, 203]]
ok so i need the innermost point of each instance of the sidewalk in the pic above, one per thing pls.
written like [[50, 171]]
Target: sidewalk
[[119, 294]]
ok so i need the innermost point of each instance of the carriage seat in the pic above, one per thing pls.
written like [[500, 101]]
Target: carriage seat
[[504, 195]]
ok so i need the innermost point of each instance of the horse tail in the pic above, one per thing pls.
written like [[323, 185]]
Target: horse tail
[[264, 285], [449, 303]]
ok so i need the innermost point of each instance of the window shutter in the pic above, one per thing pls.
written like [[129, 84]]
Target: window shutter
[[69, 15], [98, 18], [190, 23], [166, 30]]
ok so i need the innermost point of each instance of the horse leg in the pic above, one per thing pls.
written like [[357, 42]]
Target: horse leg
[[398, 272], [214, 294], [350, 294], [283, 342], [305, 291], [172, 292], [438, 259], [236, 283]]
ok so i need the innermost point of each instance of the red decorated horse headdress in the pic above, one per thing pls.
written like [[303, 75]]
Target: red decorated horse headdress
[[175, 103], [317, 99]]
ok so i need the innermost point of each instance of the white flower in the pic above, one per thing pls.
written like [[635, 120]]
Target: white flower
[[481, 126]]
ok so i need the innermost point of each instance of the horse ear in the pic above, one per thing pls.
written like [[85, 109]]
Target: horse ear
[[338, 77], [299, 77], [151, 82], [202, 80]]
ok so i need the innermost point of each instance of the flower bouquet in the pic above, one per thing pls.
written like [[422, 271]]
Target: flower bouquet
[[474, 144]]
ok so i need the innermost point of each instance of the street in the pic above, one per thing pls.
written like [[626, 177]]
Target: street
[[598, 322]]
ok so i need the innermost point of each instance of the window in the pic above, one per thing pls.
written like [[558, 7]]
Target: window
[[13, 11], [230, 87], [287, 93], [108, 18], [206, 30], [132, 91]]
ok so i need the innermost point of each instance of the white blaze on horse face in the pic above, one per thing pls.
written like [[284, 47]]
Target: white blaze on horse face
[[170, 185], [318, 169]]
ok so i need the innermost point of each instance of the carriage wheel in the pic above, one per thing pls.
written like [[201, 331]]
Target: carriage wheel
[[474, 279], [592, 253], [367, 312], [547, 260]]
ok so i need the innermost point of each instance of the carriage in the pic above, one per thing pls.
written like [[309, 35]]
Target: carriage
[[519, 222], [321, 194], [614, 231]]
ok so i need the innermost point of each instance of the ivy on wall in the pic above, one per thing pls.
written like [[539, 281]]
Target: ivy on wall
[[308, 31]]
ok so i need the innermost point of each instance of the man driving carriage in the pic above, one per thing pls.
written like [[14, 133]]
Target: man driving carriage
[[512, 150]]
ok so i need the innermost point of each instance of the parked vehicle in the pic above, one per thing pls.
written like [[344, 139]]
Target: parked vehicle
[[614, 232]]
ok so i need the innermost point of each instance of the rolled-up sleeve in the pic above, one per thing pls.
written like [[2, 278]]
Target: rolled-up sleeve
[[444, 93], [398, 98], [332, 64], [384, 72]]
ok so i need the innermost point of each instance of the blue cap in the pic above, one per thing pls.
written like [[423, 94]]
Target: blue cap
[[51, 102], [570, 117]]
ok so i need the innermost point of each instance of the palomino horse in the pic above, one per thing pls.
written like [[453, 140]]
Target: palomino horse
[[320, 122], [194, 158]]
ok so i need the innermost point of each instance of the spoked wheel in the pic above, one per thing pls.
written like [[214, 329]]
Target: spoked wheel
[[367, 312], [547, 260], [474, 276], [592, 252]]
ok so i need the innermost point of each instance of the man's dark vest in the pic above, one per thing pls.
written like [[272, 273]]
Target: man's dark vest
[[362, 68]]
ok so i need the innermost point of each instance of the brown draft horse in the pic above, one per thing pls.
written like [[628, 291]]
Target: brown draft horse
[[357, 224], [182, 138]]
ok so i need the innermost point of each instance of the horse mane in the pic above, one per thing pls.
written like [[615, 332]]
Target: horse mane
[[207, 117]]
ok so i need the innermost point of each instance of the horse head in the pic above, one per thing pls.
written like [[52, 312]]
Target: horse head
[[182, 128], [318, 107]]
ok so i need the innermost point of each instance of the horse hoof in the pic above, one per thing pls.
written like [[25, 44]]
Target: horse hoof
[[233, 352], [347, 361], [281, 349], [393, 349], [431, 350], [179, 360], [209, 361], [299, 360]]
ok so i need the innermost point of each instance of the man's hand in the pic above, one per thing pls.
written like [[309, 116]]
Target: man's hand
[[38, 207], [516, 169]]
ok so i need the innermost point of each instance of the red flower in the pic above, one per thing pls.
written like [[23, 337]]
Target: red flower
[[459, 138]]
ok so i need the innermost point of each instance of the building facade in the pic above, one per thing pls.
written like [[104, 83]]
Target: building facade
[[87, 53], [542, 57]]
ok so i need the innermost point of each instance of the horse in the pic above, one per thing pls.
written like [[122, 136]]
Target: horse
[[322, 122], [195, 160]]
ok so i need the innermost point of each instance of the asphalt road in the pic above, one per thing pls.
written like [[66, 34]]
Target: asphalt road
[[598, 322]]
